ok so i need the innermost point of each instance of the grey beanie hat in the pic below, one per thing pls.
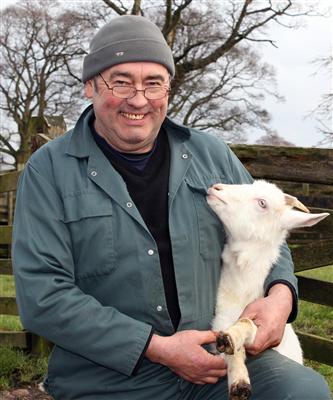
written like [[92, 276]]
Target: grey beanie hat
[[127, 38]]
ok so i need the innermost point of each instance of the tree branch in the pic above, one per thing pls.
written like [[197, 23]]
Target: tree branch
[[120, 11]]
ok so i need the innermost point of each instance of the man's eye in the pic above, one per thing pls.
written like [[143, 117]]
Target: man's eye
[[121, 83]]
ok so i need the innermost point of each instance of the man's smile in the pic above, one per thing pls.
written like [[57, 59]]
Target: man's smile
[[133, 116]]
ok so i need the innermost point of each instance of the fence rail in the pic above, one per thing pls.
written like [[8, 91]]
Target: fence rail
[[8, 181], [287, 165], [295, 164]]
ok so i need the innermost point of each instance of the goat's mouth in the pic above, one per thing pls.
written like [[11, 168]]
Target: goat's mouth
[[213, 194]]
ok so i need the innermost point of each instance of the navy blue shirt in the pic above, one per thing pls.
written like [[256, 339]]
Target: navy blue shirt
[[147, 179]]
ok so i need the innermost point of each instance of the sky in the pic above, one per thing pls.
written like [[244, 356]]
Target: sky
[[296, 78]]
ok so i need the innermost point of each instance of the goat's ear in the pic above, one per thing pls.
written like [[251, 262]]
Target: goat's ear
[[295, 219]]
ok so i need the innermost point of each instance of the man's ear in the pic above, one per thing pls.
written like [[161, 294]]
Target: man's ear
[[89, 89], [296, 219]]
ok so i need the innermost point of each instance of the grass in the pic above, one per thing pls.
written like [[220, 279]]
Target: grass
[[7, 289], [317, 319], [16, 366]]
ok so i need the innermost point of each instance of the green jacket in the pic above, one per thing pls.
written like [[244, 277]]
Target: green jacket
[[87, 269]]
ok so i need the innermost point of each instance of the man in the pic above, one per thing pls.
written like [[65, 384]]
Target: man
[[117, 254]]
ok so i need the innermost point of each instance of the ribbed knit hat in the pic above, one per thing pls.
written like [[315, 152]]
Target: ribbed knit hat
[[127, 38]]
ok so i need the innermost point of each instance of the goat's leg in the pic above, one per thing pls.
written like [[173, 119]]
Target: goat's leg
[[238, 376], [241, 332]]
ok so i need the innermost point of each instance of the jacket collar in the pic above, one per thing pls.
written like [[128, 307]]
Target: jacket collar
[[81, 138], [172, 127]]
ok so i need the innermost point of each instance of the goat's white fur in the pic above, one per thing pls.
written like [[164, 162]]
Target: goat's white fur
[[257, 218]]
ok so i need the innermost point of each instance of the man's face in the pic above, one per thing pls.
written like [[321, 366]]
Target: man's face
[[129, 125]]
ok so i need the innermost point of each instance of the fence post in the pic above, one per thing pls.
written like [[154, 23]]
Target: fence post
[[39, 346], [44, 129], [41, 130], [306, 189]]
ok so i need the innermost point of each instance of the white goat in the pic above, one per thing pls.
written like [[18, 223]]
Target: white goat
[[257, 218]]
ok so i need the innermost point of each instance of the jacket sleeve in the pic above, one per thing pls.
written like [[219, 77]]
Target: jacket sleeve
[[50, 303], [283, 269]]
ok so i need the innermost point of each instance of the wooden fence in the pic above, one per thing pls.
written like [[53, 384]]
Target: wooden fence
[[307, 173], [41, 130]]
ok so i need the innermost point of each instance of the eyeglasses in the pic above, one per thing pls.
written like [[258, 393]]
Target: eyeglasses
[[128, 92]]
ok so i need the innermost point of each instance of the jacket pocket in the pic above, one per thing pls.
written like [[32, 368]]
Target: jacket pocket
[[89, 218], [211, 231]]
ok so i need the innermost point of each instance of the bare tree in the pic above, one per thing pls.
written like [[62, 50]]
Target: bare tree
[[40, 49], [224, 96], [273, 139], [323, 113]]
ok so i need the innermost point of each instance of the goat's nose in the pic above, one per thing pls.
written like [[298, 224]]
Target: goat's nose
[[218, 186]]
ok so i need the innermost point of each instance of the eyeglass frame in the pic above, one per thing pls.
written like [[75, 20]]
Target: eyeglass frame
[[135, 91]]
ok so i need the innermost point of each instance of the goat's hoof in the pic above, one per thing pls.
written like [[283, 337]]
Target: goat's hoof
[[240, 390], [224, 343]]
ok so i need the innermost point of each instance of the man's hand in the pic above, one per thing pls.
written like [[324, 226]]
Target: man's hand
[[184, 355], [270, 314]]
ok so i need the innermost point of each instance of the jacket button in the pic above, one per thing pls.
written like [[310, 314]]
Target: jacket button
[[184, 156], [150, 252], [129, 204], [93, 173], [159, 308]]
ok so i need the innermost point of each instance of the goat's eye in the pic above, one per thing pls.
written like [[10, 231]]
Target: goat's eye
[[262, 203]]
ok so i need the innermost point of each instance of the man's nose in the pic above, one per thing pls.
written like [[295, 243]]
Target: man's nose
[[139, 100]]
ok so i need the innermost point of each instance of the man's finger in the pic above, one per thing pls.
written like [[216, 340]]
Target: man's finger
[[206, 337], [211, 379], [218, 373], [205, 381]]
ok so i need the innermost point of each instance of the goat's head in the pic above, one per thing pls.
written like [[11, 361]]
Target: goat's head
[[259, 210]]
